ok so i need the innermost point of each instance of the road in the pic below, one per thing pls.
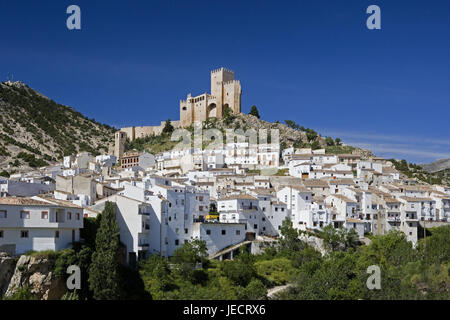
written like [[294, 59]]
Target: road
[[271, 292]]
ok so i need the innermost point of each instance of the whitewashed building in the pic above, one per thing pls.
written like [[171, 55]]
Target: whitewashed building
[[27, 224]]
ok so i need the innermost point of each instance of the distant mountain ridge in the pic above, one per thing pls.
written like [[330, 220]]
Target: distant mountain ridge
[[36, 131], [437, 165]]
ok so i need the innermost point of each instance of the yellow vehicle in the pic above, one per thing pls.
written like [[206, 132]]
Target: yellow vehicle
[[212, 217]]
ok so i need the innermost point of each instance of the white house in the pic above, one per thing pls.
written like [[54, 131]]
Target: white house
[[241, 208], [298, 200], [133, 218], [10, 187], [218, 236], [28, 224]]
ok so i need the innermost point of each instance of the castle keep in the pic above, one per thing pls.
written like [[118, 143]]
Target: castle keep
[[225, 93]]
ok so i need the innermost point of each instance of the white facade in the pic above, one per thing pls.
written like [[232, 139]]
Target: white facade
[[23, 189], [27, 224]]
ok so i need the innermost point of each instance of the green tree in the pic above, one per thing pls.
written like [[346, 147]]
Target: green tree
[[254, 112], [329, 141], [255, 290], [155, 273], [103, 272], [436, 248], [188, 256], [228, 115], [4, 173], [168, 127], [315, 145], [338, 141], [289, 241], [242, 269], [338, 239]]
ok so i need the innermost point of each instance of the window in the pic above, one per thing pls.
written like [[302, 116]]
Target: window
[[24, 214], [255, 226], [208, 232], [78, 216], [1, 233], [44, 215], [238, 232], [177, 242], [3, 214], [24, 234], [57, 234], [69, 215], [186, 231], [224, 232]]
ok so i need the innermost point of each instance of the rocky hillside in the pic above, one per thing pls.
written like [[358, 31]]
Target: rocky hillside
[[419, 172], [36, 131], [436, 166], [30, 277]]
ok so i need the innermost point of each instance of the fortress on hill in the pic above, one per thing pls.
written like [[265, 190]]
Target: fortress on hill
[[225, 93]]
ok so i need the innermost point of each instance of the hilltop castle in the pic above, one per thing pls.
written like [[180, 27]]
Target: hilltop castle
[[225, 93]]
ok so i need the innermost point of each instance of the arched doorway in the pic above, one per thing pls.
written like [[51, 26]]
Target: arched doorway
[[211, 111]]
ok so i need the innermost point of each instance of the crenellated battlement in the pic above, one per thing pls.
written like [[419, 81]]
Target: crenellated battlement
[[231, 82], [222, 69]]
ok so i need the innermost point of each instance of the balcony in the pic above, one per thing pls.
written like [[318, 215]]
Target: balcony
[[249, 208], [143, 245]]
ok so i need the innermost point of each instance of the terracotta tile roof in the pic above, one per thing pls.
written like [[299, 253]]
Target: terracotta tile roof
[[238, 197], [22, 201], [343, 198]]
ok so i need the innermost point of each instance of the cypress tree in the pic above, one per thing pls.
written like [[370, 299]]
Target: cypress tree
[[254, 111], [103, 272], [168, 127]]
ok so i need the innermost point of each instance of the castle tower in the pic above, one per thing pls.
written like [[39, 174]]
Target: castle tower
[[119, 144], [218, 77], [225, 92]]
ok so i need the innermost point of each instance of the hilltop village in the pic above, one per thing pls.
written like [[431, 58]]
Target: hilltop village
[[230, 196]]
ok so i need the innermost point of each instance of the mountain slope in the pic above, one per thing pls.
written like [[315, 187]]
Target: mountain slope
[[35, 131], [437, 165]]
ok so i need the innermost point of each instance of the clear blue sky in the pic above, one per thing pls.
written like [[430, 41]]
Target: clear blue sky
[[314, 62]]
